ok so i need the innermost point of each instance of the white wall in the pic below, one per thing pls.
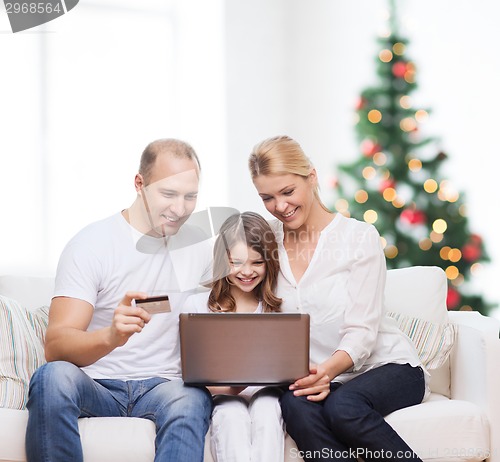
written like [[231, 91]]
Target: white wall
[[297, 68], [257, 85]]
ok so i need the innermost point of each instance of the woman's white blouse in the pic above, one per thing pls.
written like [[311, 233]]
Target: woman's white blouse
[[342, 290]]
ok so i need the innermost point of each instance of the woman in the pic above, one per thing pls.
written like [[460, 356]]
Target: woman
[[333, 268]]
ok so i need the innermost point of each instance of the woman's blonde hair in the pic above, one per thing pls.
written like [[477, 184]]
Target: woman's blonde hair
[[281, 155], [254, 231]]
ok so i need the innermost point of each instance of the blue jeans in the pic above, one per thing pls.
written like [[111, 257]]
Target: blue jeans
[[350, 423], [61, 392]]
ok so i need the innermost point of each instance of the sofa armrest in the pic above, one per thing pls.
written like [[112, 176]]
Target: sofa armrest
[[475, 375]]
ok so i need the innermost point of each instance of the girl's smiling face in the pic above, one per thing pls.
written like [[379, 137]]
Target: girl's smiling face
[[248, 267]]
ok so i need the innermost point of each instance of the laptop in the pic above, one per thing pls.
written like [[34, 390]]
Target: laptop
[[244, 348]]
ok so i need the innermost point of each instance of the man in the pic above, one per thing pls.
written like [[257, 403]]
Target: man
[[106, 356]]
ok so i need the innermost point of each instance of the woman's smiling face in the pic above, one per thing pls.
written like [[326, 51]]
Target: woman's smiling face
[[288, 197]]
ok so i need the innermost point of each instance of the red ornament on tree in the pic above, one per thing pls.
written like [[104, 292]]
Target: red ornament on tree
[[471, 252], [413, 217], [369, 147], [399, 69], [453, 298]]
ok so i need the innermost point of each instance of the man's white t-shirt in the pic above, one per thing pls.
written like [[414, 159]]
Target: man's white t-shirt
[[109, 258]]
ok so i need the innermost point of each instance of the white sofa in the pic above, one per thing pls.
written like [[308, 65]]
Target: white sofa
[[460, 421]]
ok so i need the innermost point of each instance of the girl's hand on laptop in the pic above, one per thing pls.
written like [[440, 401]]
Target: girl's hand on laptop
[[225, 390], [316, 386]]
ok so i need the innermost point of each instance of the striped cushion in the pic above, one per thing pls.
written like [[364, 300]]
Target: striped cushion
[[432, 340], [21, 350]]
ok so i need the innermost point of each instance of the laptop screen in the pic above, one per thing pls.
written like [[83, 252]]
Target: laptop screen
[[244, 348]]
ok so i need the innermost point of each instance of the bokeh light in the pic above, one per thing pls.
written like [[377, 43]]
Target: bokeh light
[[452, 272], [430, 186], [421, 115], [361, 196], [408, 124], [415, 165], [391, 251], [436, 237], [439, 226], [370, 216], [447, 192], [405, 102], [475, 268], [379, 158], [369, 173], [341, 205], [455, 255], [374, 116], [399, 48], [443, 253], [385, 56], [425, 244], [398, 202], [410, 73], [389, 194]]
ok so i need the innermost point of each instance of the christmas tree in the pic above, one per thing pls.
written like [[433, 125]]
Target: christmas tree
[[396, 183]]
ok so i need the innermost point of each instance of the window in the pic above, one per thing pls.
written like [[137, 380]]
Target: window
[[81, 97]]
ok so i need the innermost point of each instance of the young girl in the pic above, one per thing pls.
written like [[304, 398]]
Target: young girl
[[246, 422], [333, 268]]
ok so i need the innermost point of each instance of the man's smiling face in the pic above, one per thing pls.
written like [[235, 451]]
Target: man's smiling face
[[171, 194]]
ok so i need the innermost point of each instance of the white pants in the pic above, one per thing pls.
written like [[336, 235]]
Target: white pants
[[248, 427]]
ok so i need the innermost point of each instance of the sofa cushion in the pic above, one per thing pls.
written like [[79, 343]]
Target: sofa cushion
[[433, 341], [104, 439], [441, 429], [416, 298], [106, 435], [12, 433], [418, 292], [440, 381], [21, 350]]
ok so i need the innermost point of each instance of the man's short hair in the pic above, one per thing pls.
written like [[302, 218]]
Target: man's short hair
[[176, 148]]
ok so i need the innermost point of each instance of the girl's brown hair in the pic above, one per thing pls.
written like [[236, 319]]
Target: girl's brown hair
[[254, 231]]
